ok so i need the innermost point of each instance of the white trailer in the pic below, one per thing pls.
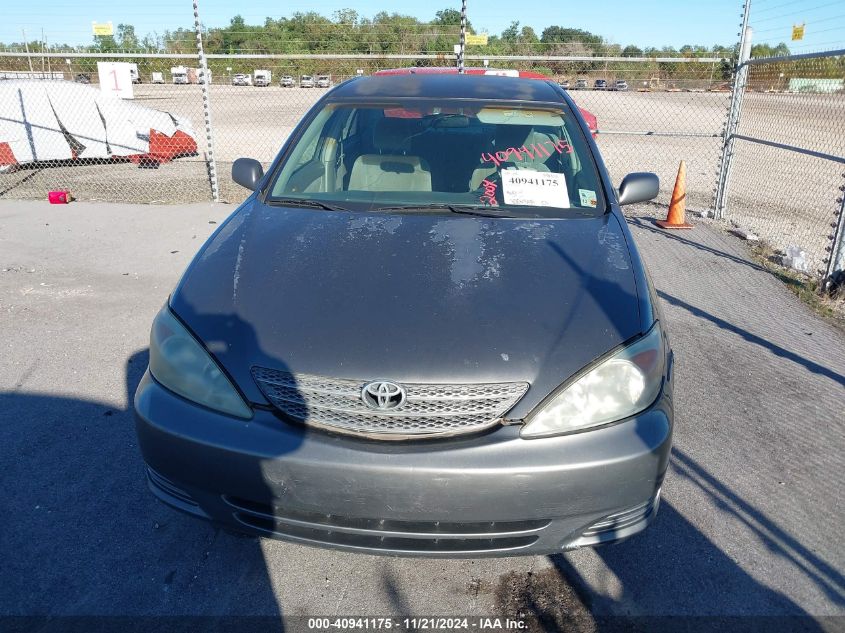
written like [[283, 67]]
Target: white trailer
[[157, 78], [179, 74]]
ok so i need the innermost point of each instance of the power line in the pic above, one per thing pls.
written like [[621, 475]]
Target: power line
[[793, 13], [778, 6], [786, 26]]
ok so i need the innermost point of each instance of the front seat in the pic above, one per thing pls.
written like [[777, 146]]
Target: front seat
[[392, 169]]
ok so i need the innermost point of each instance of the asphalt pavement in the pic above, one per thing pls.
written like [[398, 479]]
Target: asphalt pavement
[[750, 522]]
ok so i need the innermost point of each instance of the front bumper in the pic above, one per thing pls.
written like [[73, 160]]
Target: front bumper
[[489, 495]]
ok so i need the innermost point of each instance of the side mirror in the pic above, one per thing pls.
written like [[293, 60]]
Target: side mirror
[[247, 172], [638, 187]]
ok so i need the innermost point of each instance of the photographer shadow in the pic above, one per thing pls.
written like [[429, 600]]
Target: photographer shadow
[[89, 541]]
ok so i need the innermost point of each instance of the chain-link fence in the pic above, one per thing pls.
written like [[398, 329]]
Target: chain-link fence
[[774, 127], [788, 154], [651, 112], [67, 134]]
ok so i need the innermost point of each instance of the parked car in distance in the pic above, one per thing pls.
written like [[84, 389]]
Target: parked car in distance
[[240, 79], [306, 81], [564, 84], [499, 380], [600, 84], [324, 81], [620, 85], [287, 81], [82, 78], [581, 84], [261, 78], [157, 78]]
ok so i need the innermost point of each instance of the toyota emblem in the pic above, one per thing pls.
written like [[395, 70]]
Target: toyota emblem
[[383, 396]]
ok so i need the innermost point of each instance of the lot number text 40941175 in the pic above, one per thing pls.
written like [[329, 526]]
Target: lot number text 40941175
[[534, 188]]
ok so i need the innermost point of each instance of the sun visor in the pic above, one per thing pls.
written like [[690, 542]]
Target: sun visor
[[519, 116]]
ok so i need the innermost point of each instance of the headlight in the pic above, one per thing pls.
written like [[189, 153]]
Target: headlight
[[180, 363], [618, 387]]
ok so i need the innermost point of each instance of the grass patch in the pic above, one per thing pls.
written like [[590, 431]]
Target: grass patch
[[806, 287]]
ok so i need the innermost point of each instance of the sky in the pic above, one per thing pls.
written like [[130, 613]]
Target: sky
[[641, 22]]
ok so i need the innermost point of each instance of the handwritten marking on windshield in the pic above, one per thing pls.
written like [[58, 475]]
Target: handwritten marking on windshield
[[489, 195], [536, 150]]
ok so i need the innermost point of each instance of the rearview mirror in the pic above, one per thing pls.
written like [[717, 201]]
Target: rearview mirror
[[247, 172], [451, 121], [638, 187]]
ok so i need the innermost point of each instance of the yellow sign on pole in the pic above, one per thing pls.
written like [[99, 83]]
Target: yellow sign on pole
[[105, 28], [476, 40], [797, 32]]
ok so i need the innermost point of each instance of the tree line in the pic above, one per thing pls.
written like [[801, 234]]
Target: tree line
[[348, 32]]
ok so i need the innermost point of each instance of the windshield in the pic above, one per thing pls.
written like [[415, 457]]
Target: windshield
[[417, 155]]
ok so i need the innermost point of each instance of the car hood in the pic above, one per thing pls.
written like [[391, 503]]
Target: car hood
[[410, 298]]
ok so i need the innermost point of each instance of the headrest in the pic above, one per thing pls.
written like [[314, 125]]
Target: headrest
[[393, 135], [512, 136]]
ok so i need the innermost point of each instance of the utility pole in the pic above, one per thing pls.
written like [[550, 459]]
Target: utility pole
[[26, 46], [42, 51]]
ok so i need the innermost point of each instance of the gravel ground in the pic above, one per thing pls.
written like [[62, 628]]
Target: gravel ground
[[749, 524]]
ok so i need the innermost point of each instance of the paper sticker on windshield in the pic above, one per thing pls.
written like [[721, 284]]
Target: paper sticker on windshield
[[534, 188], [588, 198]]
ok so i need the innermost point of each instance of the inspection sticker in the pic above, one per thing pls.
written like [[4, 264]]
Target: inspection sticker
[[534, 188], [588, 198]]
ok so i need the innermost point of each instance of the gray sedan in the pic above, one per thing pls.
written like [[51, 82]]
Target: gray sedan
[[426, 332]]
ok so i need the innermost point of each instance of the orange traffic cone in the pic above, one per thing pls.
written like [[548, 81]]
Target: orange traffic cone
[[678, 204]]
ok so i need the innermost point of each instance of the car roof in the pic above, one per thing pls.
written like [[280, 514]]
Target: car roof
[[469, 70], [440, 85]]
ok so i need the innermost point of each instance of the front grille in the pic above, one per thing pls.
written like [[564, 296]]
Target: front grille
[[410, 537], [403, 527], [429, 410]]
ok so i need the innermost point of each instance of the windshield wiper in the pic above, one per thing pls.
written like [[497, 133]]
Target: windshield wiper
[[304, 202], [485, 212]]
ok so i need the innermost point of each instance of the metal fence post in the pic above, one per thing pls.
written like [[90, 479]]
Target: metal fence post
[[835, 268], [734, 112], [206, 107], [463, 36]]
